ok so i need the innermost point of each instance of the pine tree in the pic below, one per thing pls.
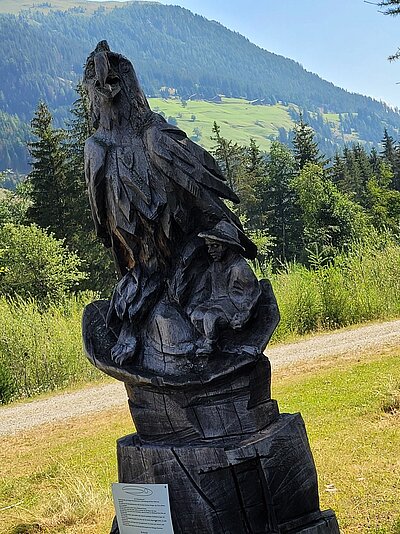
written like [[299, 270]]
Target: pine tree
[[78, 130], [338, 172], [392, 8], [47, 179], [388, 151], [251, 180], [229, 156], [305, 147], [279, 203], [374, 159]]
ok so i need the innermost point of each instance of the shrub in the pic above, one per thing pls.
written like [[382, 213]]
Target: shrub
[[35, 265]]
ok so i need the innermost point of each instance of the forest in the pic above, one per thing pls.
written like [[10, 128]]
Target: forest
[[43, 51]]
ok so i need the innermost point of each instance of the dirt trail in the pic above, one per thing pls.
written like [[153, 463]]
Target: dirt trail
[[95, 399]]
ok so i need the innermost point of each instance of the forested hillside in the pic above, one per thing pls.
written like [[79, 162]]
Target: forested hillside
[[174, 51]]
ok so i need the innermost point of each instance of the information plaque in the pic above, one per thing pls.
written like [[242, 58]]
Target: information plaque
[[142, 508]]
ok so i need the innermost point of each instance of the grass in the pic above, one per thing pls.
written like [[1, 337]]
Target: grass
[[56, 479], [59, 480], [355, 439], [357, 287], [41, 351], [239, 120]]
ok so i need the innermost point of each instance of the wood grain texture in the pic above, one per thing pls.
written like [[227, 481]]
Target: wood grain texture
[[187, 325]]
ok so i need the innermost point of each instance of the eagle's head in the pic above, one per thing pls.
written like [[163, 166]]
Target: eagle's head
[[113, 88]]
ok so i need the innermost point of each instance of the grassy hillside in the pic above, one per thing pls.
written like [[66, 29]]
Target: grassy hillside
[[238, 119]]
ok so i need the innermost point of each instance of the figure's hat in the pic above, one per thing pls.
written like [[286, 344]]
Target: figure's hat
[[224, 232]]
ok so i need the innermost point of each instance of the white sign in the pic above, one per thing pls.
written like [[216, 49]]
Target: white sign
[[142, 508]]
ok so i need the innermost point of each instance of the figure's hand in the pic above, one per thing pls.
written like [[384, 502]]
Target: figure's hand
[[237, 321]]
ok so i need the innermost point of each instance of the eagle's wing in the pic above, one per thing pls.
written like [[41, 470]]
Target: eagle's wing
[[95, 158], [191, 168]]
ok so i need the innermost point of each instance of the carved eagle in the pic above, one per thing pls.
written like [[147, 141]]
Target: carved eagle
[[151, 189]]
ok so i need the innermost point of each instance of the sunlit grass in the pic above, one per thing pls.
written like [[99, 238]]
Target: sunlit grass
[[355, 439], [238, 120], [41, 350], [56, 479]]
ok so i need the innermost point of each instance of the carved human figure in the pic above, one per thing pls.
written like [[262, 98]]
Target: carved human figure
[[228, 291]]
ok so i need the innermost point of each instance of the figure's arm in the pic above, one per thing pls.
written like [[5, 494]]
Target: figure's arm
[[201, 294]]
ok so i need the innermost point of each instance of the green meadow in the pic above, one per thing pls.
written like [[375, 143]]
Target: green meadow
[[238, 119]]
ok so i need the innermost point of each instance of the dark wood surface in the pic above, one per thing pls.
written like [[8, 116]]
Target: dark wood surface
[[187, 325]]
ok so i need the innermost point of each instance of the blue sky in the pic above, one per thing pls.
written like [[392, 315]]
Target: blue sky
[[344, 41]]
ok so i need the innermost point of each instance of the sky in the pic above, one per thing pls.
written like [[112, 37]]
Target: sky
[[346, 42]]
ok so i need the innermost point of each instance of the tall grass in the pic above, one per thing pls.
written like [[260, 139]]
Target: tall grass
[[40, 350], [361, 285]]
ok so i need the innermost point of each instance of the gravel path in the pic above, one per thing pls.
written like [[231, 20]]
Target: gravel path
[[26, 416]]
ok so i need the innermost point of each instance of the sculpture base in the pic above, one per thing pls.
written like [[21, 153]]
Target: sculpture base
[[262, 483]]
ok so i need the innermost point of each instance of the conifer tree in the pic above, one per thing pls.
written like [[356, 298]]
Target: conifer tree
[[229, 156], [279, 203], [47, 179], [392, 8], [338, 172], [57, 190], [374, 159], [305, 147], [390, 154], [388, 151]]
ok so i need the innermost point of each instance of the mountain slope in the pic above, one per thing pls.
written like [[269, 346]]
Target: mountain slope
[[43, 50]]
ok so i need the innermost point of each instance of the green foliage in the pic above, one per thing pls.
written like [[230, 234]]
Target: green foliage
[[282, 215], [10, 179], [57, 191], [196, 135], [36, 265], [41, 351], [305, 147], [245, 170], [332, 221], [14, 206], [354, 287], [48, 182]]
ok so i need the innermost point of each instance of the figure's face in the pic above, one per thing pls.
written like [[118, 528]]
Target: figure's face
[[216, 250]]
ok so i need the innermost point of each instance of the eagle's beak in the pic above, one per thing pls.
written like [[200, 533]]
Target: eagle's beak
[[107, 81]]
